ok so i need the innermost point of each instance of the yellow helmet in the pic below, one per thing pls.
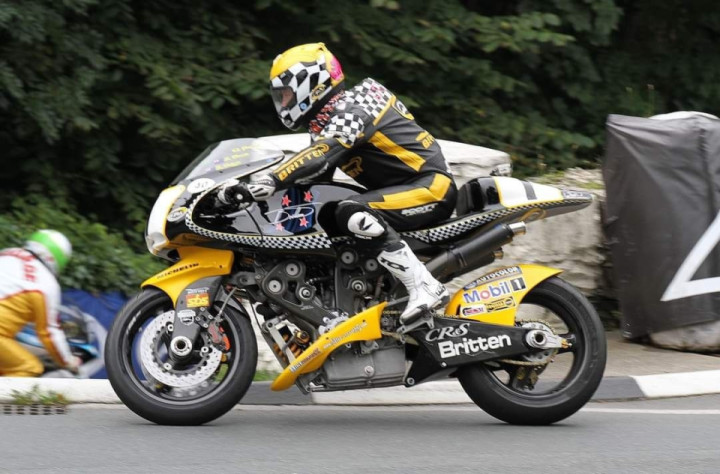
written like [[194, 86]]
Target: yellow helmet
[[302, 80]]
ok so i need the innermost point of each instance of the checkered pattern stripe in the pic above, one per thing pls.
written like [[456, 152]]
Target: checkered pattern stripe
[[461, 226], [299, 242], [345, 127], [370, 95], [319, 240]]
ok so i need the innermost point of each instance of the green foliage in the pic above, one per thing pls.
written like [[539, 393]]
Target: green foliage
[[102, 259], [265, 376], [37, 396], [104, 102]]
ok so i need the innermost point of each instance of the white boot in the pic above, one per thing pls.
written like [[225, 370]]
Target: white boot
[[426, 293]]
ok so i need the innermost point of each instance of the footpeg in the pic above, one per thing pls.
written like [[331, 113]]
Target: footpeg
[[425, 319]]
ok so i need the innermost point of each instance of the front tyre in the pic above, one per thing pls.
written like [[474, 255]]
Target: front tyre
[[201, 389], [521, 391]]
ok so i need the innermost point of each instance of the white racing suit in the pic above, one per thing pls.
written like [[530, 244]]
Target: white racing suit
[[29, 293]]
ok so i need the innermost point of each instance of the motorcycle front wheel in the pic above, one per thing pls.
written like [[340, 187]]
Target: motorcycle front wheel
[[544, 387], [196, 391]]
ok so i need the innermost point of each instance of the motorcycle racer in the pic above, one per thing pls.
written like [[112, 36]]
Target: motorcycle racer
[[30, 293], [369, 134]]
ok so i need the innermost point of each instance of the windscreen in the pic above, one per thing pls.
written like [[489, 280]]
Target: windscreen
[[232, 156]]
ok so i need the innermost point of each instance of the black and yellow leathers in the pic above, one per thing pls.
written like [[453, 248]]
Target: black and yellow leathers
[[372, 137]]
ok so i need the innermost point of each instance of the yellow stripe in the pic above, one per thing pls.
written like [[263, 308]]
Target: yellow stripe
[[413, 160], [390, 102], [415, 197]]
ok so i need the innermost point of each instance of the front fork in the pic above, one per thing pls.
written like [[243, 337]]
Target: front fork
[[193, 284]]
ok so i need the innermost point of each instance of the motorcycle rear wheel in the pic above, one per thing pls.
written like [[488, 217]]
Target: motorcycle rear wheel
[[162, 403], [514, 403]]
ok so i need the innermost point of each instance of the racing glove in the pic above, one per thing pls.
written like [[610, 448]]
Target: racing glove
[[262, 187], [74, 365], [258, 189]]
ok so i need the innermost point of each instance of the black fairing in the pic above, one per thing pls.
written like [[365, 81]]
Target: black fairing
[[455, 342], [295, 213], [477, 195]]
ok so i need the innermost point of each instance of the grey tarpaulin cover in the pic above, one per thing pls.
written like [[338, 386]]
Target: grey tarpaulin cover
[[663, 194]]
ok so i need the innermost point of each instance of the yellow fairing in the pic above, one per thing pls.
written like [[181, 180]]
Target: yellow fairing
[[195, 263], [363, 326], [494, 297]]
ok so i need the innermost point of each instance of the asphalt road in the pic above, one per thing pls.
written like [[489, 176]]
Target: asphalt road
[[658, 436]]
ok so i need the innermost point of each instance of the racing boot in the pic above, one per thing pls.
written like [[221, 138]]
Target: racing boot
[[425, 292]]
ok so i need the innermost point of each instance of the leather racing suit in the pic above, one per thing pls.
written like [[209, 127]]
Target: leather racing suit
[[29, 293], [372, 137]]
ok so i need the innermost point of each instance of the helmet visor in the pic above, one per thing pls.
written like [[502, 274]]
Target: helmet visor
[[283, 97]]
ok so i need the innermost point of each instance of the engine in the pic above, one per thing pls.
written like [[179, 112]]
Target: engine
[[366, 364], [305, 298]]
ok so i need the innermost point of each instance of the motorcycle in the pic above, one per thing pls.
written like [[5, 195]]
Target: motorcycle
[[85, 336], [526, 346]]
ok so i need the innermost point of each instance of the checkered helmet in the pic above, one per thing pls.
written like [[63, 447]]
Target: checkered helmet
[[302, 79]]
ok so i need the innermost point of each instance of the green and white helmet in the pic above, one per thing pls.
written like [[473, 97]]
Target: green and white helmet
[[50, 246]]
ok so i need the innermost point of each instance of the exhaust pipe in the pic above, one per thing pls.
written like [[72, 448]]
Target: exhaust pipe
[[473, 252]]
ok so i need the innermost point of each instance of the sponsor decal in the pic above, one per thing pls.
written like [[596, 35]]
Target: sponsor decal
[[518, 284], [473, 310], [301, 158], [571, 194], [198, 297], [301, 212], [200, 185], [494, 290], [318, 91], [439, 334], [497, 275], [413, 211], [353, 167], [177, 270], [177, 214], [296, 366], [393, 265], [504, 303], [491, 291], [350, 332], [400, 107], [186, 316], [472, 346], [425, 139]]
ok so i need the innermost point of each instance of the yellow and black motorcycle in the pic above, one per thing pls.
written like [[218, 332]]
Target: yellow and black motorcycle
[[183, 351]]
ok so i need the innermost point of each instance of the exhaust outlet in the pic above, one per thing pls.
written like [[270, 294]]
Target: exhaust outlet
[[474, 252]]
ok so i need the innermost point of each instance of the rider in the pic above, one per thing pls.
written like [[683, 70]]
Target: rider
[[373, 138], [30, 293]]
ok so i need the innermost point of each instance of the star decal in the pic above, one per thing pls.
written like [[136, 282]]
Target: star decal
[[286, 200], [308, 196], [303, 222], [279, 226]]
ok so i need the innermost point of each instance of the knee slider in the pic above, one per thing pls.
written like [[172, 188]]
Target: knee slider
[[359, 221]]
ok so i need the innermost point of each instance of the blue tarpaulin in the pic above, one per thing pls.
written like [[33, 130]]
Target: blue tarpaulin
[[103, 307]]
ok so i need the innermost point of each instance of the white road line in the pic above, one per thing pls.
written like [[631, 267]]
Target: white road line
[[643, 411], [418, 408]]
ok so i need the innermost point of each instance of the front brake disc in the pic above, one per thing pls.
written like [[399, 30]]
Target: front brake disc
[[154, 368]]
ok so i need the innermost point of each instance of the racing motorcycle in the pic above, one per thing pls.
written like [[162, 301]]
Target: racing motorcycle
[[85, 336], [526, 346]]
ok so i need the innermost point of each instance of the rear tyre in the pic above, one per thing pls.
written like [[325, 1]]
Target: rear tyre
[[165, 396], [494, 387]]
